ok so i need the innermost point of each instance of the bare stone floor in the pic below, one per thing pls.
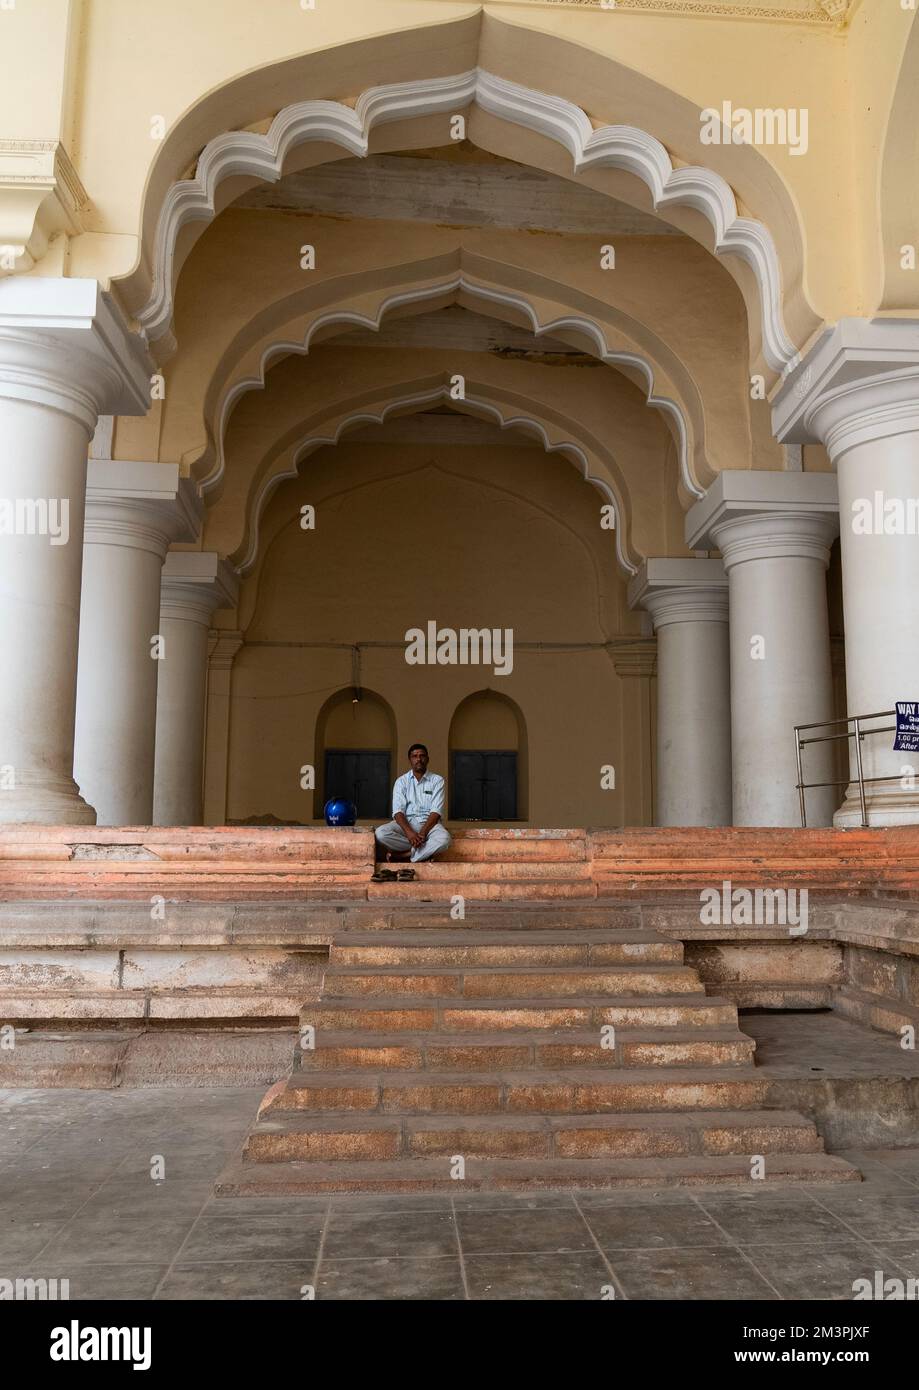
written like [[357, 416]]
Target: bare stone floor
[[77, 1201]]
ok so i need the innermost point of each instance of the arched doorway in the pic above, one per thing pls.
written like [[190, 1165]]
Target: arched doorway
[[488, 760], [355, 745]]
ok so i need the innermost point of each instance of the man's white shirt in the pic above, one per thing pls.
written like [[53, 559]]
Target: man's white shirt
[[416, 799]]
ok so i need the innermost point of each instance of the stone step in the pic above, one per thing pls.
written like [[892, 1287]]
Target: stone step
[[513, 920], [381, 1013], [481, 887], [425, 949], [525, 843], [885, 1012], [241, 1179], [582, 1090], [532, 870], [514, 981], [306, 1138], [496, 1051], [216, 1003]]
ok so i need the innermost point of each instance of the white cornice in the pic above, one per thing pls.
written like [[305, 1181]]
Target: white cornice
[[154, 491], [262, 157], [858, 383], [681, 591], [40, 196], [197, 582], [67, 345], [770, 509], [454, 285], [569, 447]]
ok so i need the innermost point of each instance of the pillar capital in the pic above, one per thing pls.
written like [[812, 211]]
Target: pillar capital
[[65, 345], [195, 584], [681, 591], [144, 506], [858, 383], [752, 515]]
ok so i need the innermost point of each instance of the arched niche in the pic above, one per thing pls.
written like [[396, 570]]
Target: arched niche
[[489, 765], [356, 752]]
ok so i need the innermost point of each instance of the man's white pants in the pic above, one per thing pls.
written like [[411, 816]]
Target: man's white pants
[[393, 837]]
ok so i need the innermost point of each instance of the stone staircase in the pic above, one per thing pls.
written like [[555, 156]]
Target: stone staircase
[[529, 1058]]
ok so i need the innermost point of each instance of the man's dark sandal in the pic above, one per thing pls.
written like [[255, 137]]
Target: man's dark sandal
[[406, 875], [384, 876]]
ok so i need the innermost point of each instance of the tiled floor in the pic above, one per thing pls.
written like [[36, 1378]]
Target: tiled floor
[[79, 1200]]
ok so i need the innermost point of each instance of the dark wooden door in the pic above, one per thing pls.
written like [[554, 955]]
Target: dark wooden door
[[360, 775], [483, 785]]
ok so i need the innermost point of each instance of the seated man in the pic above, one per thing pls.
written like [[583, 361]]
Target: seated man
[[416, 830]]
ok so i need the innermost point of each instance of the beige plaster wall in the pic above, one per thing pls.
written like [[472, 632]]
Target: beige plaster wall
[[490, 536]]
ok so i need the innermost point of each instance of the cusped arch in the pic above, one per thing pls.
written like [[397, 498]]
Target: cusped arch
[[509, 411], [235, 159], [628, 347]]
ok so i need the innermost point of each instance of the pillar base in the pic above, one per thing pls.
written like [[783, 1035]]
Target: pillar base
[[885, 806], [45, 803]]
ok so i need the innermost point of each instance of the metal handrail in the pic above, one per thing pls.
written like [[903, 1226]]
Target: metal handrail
[[858, 734]]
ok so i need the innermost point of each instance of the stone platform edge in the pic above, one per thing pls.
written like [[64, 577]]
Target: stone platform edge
[[322, 865]]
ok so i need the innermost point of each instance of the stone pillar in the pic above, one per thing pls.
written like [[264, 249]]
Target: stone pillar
[[133, 512], [222, 650], [688, 603], [857, 392], [634, 661], [195, 584], [774, 531], [65, 356]]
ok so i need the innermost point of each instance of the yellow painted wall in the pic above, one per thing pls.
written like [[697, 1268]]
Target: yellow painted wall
[[205, 69], [485, 536]]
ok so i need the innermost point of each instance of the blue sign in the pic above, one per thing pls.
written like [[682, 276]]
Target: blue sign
[[907, 736]]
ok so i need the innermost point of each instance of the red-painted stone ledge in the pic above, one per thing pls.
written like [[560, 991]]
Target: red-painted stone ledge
[[232, 863]]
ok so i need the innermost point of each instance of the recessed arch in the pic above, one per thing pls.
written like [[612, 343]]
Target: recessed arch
[[679, 399], [505, 412], [490, 722], [356, 720], [248, 155]]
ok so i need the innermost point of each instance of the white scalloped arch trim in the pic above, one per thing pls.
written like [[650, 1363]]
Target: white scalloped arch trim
[[620, 147], [459, 284], [411, 404]]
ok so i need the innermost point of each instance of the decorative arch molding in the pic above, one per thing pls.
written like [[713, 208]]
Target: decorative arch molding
[[506, 415], [262, 158], [688, 424]]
